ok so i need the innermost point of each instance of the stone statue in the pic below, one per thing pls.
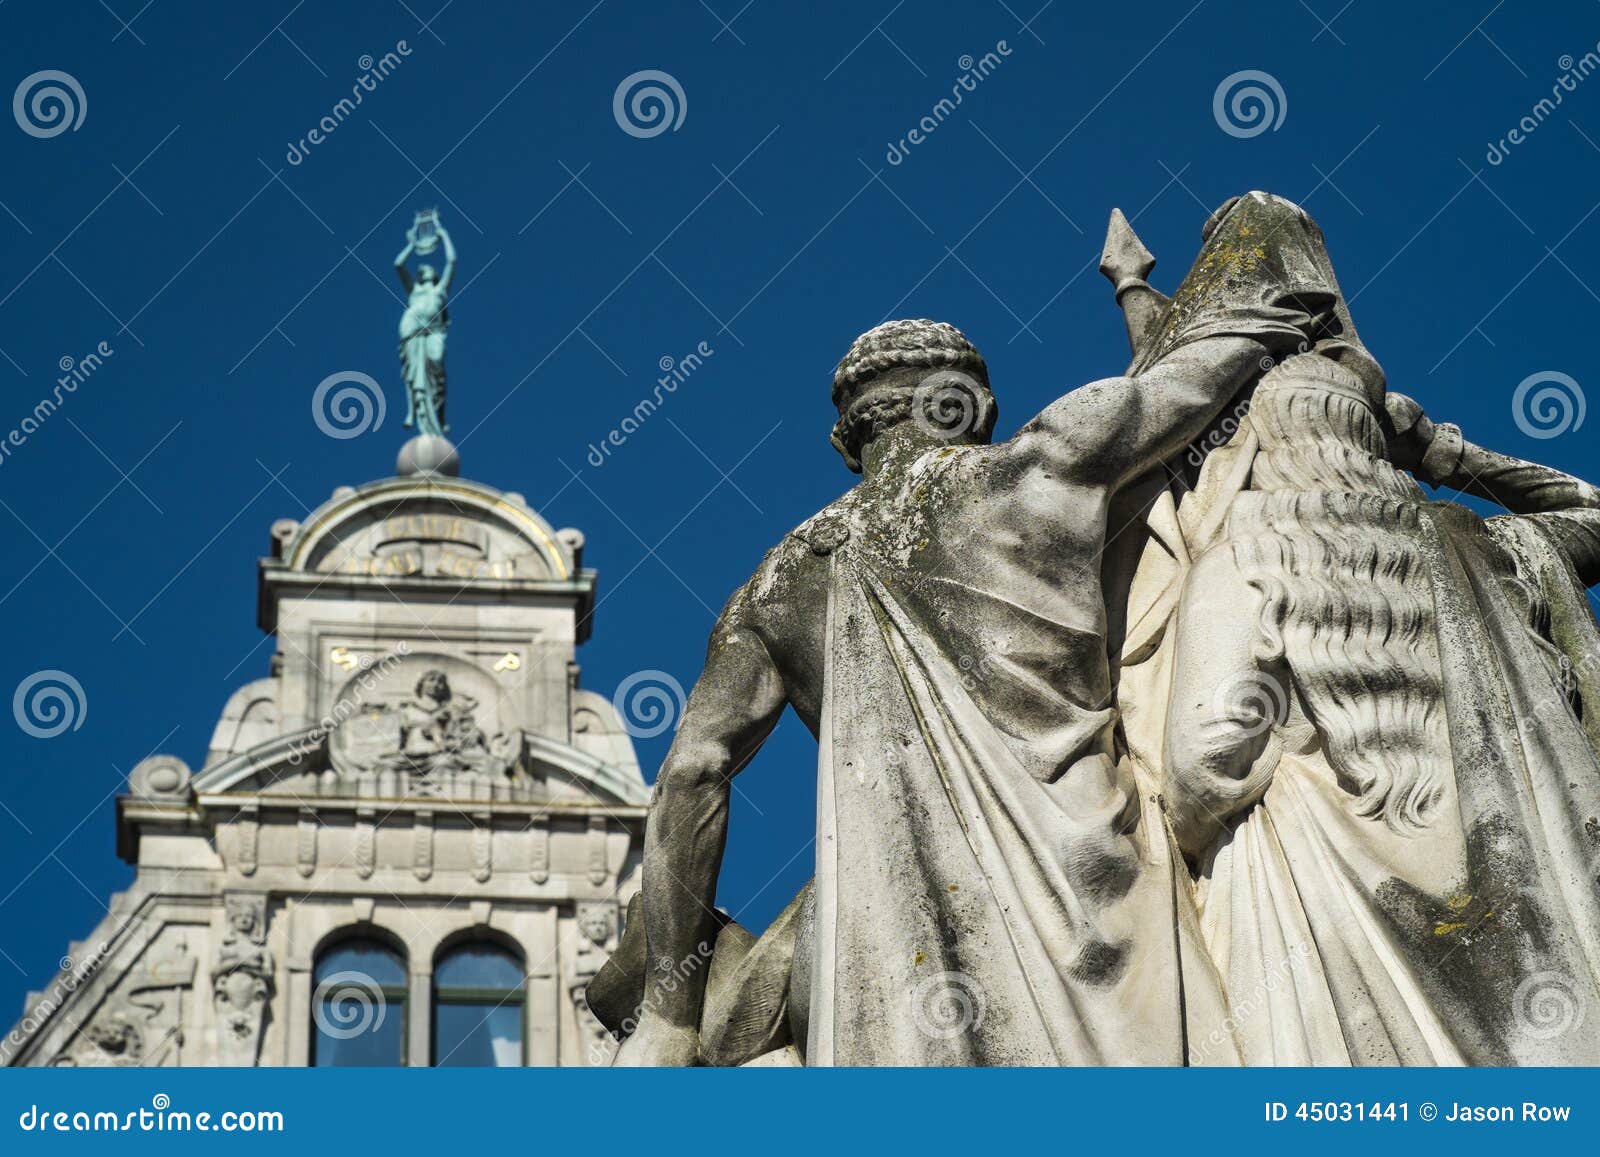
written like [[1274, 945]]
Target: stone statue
[[423, 325], [1338, 809], [941, 630], [242, 980], [597, 928], [1364, 715], [438, 731]]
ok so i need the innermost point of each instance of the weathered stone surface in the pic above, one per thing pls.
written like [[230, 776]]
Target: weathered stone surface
[[1362, 715], [419, 766], [941, 628]]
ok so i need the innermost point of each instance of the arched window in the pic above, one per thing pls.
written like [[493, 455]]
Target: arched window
[[477, 1007], [358, 1005]]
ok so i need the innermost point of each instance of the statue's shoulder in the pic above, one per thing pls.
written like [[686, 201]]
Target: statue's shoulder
[[795, 566], [823, 533]]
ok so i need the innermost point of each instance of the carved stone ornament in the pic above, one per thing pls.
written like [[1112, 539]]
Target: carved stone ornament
[[159, 778], [597, 939], [141, 1023], [431, 742], [242, 980]]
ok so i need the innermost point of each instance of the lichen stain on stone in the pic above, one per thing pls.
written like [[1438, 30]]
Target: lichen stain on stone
[[920, 958]]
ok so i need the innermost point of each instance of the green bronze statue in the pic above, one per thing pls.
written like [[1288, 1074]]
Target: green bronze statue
[[423, 325]]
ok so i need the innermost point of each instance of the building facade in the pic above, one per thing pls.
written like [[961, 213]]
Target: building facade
[[407, 843]]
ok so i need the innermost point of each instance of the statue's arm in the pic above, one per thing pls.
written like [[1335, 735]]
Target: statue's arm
[[1225, 706], [400, 260], [1439, 455], [730, 713], [1110, 431], [449, 260]]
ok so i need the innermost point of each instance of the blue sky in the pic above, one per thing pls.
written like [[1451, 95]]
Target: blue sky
[[770, 224]]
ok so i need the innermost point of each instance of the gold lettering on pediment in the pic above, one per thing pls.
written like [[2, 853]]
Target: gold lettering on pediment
[[392, 565], [455, 564]]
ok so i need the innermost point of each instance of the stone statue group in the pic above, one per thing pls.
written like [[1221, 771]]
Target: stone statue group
[[1180, 728]]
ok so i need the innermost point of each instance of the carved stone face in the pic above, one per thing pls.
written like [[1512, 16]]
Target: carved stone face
[[595, 924], [434, 685], [242, 918]]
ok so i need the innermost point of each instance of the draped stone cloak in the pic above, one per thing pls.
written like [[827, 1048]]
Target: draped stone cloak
[[1328, 953], [986, 893]]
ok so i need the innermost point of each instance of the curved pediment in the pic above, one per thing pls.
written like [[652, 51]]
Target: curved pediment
[[443, 528], [298, 765]]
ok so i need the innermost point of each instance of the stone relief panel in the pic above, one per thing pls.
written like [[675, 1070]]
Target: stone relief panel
[[425, 725], [141, 1024]]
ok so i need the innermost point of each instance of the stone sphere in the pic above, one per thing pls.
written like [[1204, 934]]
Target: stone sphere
[[428, 454]]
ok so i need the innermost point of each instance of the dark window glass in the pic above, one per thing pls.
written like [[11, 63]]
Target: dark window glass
[[477, 1008], [358, 1006]]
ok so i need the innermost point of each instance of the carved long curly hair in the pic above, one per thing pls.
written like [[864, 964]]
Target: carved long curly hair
[[1329, 536]]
